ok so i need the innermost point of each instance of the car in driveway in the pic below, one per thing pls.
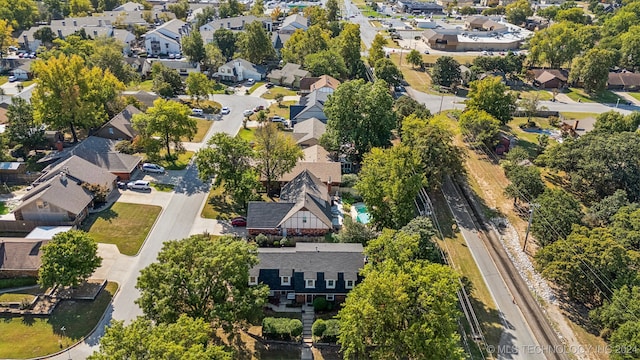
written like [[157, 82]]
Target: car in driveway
[[269, 85], [225, 110], [152, 168], [139, 185], [277, 119], [247, 112], [251, 82], [240, 221], [12, 78]]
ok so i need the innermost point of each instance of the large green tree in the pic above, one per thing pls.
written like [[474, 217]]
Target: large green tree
[[193, 47], [376, 51], [622, 307], [557, 212], [187, 338], [386, 70], [327, 62], [21, 14], [446, 71], [626, 226], [68, 259], [166, 82], [303, 43], [275, 153], [202, 278], [254, 44], [517, 12], [361, 114], [22, 128], [480, 127], [230, 8], [333, 11], [198, 86], [180, 9], [602, 212], [555, 45], [258, 8], [69, 94], [588, 265], [613, 122], [525, 183], [415, 59], [226, 41], [348, 46], [592, 69], [389, 182], [107, 55], [630, 49], [170, 121], [493, 96], [393, 314], [229, 161]]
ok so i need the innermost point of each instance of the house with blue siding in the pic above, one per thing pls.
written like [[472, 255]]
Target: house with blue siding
[[309, 270]]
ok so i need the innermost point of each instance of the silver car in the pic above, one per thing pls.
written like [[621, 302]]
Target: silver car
[[139, 185]]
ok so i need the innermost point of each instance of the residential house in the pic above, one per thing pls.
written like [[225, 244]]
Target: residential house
[[317, 162], [308, 271], [324, 83], [59, 200], [127, 39], [93, 26], [292, 23], [183, 67], [23, 71], [624, 80], [129, 6], [165, 39], [120, 127], [548, 78], [304, 209], [100, 152], [79, 170], [278, 40], [310, 106], [237, 23], [418, 7], [140, 65], [240, 70], [308, 133], [20, 257], [290, 75], [146, 98]]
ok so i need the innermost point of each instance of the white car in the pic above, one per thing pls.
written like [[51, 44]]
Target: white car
[[247, 113], [277, 119], [12, 78], [139, 185], [225, 110], [152, 168], [251, 82]]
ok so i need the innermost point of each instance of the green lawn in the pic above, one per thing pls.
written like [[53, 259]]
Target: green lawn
[[255, 86], [16, 297], [125, 225], [578, 115], [283, 110], [543, 95], [528, 140], [144, 86], [636, 95], [175, 164], [247, 134], [220, 206], [29, 337], [271, 93], [17, 282], [163, 187], [3, 79], [3, 208], [606, 96], [28, 83], [203, 128]]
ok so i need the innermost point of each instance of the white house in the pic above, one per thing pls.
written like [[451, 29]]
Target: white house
[[126, 38], [22, 72], [240, 70], [236, 23], [165, 39], [292, 23]]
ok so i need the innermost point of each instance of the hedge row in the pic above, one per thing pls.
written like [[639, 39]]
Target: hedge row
[[326, 330], [281, 328]]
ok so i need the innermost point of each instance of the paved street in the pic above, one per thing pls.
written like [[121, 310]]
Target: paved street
[[180, 215]]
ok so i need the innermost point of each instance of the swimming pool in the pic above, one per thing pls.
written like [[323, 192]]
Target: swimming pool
[[362, 216]]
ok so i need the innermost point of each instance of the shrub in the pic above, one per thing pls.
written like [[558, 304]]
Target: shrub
[[349, 180], [320, 304], [554, 121], [125, 147], [318, 328], [284, 242], [326, 330], [276, 243], [281, 328], [262, 240], [17, 282]]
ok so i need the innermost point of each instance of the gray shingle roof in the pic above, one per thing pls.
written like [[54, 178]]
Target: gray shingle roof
[[311, 128], [313, 258], [122, 121], [266, 215], [79, 169], [20, 254], [66, 194], [303, 184]]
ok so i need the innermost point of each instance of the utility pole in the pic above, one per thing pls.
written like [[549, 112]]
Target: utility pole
[[532, 208]]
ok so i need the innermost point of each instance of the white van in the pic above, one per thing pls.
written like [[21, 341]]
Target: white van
[[197, 112]]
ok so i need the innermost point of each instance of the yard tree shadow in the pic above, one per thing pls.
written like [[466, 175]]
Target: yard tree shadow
[[107, 214]]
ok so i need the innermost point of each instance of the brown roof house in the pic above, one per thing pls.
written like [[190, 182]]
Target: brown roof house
[[548, 78], [20, 257], [59, 201], [304, 209], [307, 133], [79, 170], [324, 83], [120, 127], [290, 75], [623, 81]]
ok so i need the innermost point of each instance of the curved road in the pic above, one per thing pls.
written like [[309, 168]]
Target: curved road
[[175, 222]]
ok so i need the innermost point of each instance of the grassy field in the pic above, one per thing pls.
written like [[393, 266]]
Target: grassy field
[[271, 93], [605, 97], [3, 79], [3, 208], [255, 86], [528, 140], [375, 23], [419, 80], [203, 128], [578, 115], [28, 83], [247, 134], [163, 187], [177, 164], [462, 260], [543, 95], [636, 95], [144, 86], [28, 337], [282, 111], [125, 225], [220, 206]]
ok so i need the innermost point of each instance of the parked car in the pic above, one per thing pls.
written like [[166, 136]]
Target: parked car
[[251, 82], [139, 185], [225, 110], [247, 113], [277, 119], [197, 112], [239, 221], [122, 185], [269, 85], [13, 78], [152, 168], [426, 51], [258, 108]]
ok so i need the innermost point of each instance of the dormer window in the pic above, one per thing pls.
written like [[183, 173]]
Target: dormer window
[[285, 280], [331, 284], [309, 283], [253, 280], [349, 284]]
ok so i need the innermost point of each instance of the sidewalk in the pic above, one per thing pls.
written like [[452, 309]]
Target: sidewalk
[[625, 95]]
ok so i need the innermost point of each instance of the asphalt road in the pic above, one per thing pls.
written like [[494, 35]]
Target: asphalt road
[[175, 222]]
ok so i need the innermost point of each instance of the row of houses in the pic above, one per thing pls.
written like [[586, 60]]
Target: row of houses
[[559, 79]]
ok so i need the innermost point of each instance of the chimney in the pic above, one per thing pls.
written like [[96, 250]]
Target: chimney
[[100, 22], [75, 23], [95, 32], [60, 33], [329, 185], [228, 25], [63, 178], [26, 41]]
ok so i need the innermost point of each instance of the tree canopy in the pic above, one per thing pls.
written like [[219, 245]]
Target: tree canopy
[[68, 259], [166, 82], [558, 211], [386, 70], [555, 45], [446, 71], [480, 127], [254, 44], [22, 128], [275, 153], [492, 96], [198, 276], [193, 47], [303, 43], [592, 69], [526, 183], [517, 12], [376, 52]]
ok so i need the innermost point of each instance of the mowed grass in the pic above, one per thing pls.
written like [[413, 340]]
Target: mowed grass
[[125, 225], [3, 208], [418, 80], [248, 134], [543, 95], [28, 337], [255, 86], [605, 97], [528, 140], [220, 205], [282, 110], [271, 93], [177, 162], [462, 261], [635, 95], [144, 86], [203, 128], [578, 115], [3, 80]]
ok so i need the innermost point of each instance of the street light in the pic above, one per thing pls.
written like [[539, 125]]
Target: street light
[[64, 333]]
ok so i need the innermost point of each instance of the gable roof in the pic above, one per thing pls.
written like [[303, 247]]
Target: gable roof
[[309, 129], [78, 169], [175, 26], [20, 254], [122, 121], [245, 65], [60, 191], [316, 153], [144, 97], [237, 22], [313, 258], [100, 152], [544, 75], [315, 99], [296, 21], [325, 81], [289, 72], [624, 79], [326, 171], [266, 215], [301, 185]]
